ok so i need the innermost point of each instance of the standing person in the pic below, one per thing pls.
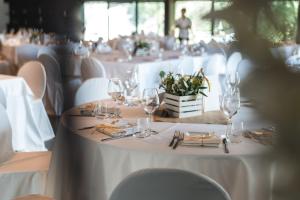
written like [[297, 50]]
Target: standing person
[[184, 24]]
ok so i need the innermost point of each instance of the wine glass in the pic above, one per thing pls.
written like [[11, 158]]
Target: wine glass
[[230, 103], [233, 80], [131, 84], [116, 91], [150, 101]]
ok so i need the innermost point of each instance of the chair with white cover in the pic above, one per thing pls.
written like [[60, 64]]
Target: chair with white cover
[[244, 68], [92, 90], [25, 53], [168, 184], [34, 74], [54, 98], [5, 136], [215, 65], [233, 62], [92, 68], [20, 173], [2, 98]]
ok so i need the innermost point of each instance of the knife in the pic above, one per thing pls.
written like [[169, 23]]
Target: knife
[[89, 127], [226, 150], [118, 137]]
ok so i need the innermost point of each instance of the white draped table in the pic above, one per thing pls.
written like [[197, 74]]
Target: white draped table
[[149, 67], [31, 128], [83, 167]]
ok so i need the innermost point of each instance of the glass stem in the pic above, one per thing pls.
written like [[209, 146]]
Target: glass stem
[[229, 128]]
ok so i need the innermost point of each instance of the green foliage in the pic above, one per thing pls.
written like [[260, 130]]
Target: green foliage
[[142, 45], [282, 25], [180, 85]]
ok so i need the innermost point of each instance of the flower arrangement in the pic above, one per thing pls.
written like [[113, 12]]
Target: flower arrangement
[[184, 85]]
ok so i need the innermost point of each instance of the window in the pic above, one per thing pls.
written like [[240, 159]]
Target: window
[[201, 29], [121, 19], [151, 17], [95, 20]]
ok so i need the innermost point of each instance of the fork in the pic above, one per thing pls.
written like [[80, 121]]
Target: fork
[[175, 136], [179, 139]]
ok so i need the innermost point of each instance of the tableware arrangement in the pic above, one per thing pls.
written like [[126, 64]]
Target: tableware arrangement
[[265, 136], [131, 85], [229, 105], [116, 91], [196, 139], [150, 101], [184, 93]]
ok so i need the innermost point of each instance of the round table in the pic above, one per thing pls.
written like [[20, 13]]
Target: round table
[[84, 167]]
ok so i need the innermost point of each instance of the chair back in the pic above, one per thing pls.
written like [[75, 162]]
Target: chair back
[[26, 53], [34, 197], [5, 136], [92, 68], [2, 98], [233, 62], [34, 74], [92, 90], [168, 184], [54, 97], [244, 69], [214, 65]]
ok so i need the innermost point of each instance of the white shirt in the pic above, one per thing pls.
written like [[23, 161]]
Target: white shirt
[[183, 24]]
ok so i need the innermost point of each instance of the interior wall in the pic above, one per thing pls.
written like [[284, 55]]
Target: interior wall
[[4, 15]]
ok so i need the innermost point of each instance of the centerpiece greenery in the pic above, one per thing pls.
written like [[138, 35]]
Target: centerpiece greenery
[[141, 45], [184, 85]]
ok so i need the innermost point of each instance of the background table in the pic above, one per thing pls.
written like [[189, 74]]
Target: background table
[[31, 128], [97, 167]]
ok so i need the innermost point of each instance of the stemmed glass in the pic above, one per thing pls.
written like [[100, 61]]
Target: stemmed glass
[[131, 84], [230, 104], [150, 101], [233, 80], [116, 91]]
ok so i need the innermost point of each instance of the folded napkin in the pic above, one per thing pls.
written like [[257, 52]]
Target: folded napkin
[[201, 139], [262, 136], [116, 128], [87, 109]]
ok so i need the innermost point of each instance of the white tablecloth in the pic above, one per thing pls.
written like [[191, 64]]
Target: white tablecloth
[[148, 67], [31, 128], [97, 167]]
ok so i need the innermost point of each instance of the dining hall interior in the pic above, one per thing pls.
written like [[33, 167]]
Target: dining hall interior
[[149, 100]]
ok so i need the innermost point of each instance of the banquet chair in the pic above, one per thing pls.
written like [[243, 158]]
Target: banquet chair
[[34, 74], [48, 51], [244, 69], [233, 62], [21, 173], [26, 53], [214, 65], [92, 68], [6, 67], [54, 97], [92, 90], [2, 98], [168, 184]]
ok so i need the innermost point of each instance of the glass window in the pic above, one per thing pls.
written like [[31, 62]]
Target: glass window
[[95, 20], [121, 19], [195, 10], [151, 17]]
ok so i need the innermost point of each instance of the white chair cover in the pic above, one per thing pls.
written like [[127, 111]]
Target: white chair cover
[[92, 68], [92, 90], [34, 74], [6, 67], [233, 62], [48, 51], [5, 136], [2, 98], [26, 53], [168, 184], [244, 68], [214, 65], [54, 97]]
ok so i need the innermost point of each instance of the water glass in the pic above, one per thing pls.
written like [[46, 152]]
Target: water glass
[[143, 125]]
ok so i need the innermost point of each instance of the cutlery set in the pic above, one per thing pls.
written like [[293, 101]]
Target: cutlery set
[[177, 138]]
